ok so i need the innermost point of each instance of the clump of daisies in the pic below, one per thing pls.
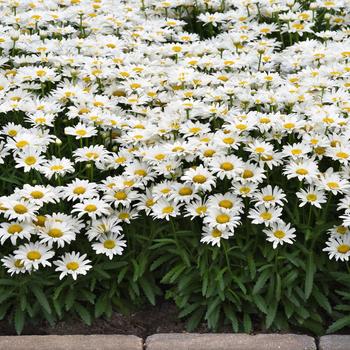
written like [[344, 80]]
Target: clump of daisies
[[113, 112]]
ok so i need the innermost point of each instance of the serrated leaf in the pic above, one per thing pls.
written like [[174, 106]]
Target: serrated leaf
[[41, 297], [148, 290], [339, 324], [309, 275], [262, 279], [83, 313], [19, 320]]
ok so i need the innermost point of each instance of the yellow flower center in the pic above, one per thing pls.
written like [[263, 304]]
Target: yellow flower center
[[333, 185], [259, 149], [228, 140], [149, 203], [20, 209], [222, 218], [120, 195], [30, 160], [343, 248], [279, 234], [342, 230], [19, 263], [167, 210], [79, 190], [247, 174], [81, 132], [289, 125], [57, 167], [159, 156], [200, 179], [209, 153], [109, 244], [227, 166], [55, 233], [302, 171], [311, 197], [201, 209], [140, 172], [244, 190], [21, 144], [296, 152], [342, 155], [92, 155], [37, 194], [268, 198], [266, 215], [185, 191], [33, 255], [195, 130], [90, 208], [40, 220], [226, 203], [123, 216], [14, 228], [216, 233], [40, 73], [73, 265]]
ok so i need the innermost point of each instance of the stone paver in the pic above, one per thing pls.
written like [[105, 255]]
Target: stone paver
[[72, 342], [230, 342], [335, 342]]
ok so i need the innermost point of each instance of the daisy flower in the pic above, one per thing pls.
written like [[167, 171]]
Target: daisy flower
[[103, 226], [338, 248], [263, 215], [34, 254], [13, 265], [213, 236], [72, 264], [15, 230], [279, 233], [200, 177], [164, 209], [93, 207], [269, 196], [110, 245], [311, 195]]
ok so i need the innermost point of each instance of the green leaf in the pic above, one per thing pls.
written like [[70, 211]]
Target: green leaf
[[41, 297], [19, 320], [100, 306], [247, 323], [271, 314], [309, 275], [339, 324], [160, 261], [148, 290], [322, 300], [194, 320], [188, 309], [83, 313], [264, 276], [228, 311], [260, 303], [251, 266]]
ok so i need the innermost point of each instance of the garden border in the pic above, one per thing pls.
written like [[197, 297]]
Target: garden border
[[178, 341]]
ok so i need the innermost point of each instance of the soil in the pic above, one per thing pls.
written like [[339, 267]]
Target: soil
[[161, 318]]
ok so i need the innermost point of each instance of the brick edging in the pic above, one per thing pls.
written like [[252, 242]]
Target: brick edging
[[176, 341]]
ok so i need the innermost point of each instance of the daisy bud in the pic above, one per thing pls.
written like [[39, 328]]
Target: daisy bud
[[313, 6], [58, 142]]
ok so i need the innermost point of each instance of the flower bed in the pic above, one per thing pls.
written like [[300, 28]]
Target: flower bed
[[193, 149]]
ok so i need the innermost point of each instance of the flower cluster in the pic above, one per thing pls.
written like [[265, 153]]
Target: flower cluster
[[113, 111]]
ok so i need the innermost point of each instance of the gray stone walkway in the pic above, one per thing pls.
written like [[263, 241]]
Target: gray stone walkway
[[176, 341]]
